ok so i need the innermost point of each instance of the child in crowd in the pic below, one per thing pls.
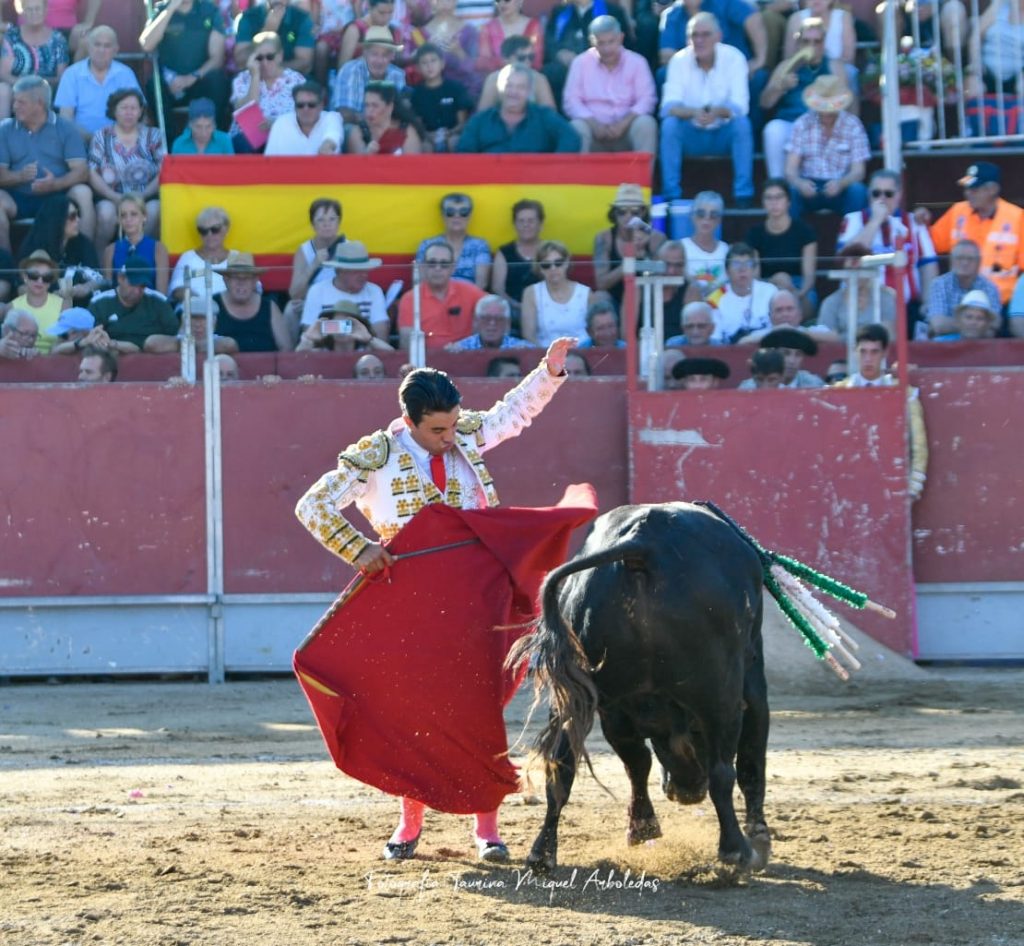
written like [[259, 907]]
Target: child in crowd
[[442, 105], [767, 367]]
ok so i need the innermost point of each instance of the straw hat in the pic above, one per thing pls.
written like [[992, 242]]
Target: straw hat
[[352, 255], [629, 195], [241, 264], [380, 36], [828, 94]]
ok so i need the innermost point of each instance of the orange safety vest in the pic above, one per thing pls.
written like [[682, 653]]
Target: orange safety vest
[[999, 240]]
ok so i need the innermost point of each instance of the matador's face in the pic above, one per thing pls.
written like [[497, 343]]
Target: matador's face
[[435, 432]]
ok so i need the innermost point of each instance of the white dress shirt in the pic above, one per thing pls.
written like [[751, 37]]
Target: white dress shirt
[[287, 138], [724, 85]]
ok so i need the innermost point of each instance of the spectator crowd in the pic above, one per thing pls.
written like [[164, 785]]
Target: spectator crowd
[[80, 163]]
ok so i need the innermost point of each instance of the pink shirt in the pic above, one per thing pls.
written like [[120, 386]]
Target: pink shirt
[[594, 91]]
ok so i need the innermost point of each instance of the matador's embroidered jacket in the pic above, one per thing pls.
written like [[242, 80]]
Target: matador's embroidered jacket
[[380, 475]]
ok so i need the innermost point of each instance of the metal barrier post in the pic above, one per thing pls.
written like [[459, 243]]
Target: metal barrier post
[[417, 340]]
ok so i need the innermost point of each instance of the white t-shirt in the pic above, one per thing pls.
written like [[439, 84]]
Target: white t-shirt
[[737, 315], [370, 300], [708, 269], [557, 319], [287, 138]]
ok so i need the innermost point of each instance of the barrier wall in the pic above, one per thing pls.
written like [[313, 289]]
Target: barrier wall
[[820, 476]]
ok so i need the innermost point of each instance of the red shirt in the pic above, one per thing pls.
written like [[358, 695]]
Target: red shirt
[[443, 320]]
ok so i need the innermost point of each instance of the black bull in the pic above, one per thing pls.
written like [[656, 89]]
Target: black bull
[[656, 625]]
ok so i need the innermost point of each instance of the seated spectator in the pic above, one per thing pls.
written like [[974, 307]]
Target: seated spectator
[[356, 336], [125, 158], [446, 304], [504, 367], [785, 90], [308, 129], [948, 290], [378, 13], [628, 205], [741, 25], [8, 278], [835, 307], [376, 63], [200, 329], [565, 36], [19, 335], [784, 312], [351, 265], [41, 155], [212, 225], [576, 366], [368, 368], [837, 371], [705, 252], [30, 48], [974, 317], [705, 104], [838, 33], [472, 254], [602, 326], [741, 305], [508, 20], [698, 324], [674, 298], [995, 225], [38, 271], [458, 39], [995, 48], [132, 317], [70, 331], [250, 318], [609, 94], [517, 50], [766, 370], [75, 23], [1015, 311], [442, 105], [699, 374], [227, 367], [131, 218], [386, 127], [492, 322], [86, 87], [289, 22], [201, 136], [827, 152], [188, 38], [513, 269], [556, 306], [308, 263], [98, 366], [882, 228], [56, 231], [266, 81], [328, 28], [515, 125], [787, 247], [670, 357], [794, 345]]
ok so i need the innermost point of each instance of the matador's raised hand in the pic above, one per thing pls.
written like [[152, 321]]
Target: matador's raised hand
[[556, 353]]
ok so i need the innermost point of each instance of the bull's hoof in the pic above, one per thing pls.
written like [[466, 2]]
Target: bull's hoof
[[542, 862], [761, 843], [642, 829], [745, 861]]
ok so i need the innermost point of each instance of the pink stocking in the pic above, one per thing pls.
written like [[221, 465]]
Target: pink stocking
[[487, 825], [411, 821]]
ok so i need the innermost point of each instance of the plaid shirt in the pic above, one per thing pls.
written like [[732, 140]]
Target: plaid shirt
[[350, 84], [945, 294], [473, 343], [827, 158]]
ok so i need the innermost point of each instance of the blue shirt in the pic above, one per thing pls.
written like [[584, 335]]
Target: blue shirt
[[50, 148], [475, 252], [351, 84], [473, 343], [220, 143], [731, 16], [80, 91], [542, 131]]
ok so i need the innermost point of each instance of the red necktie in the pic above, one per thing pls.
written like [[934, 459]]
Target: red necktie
[[437, 473]]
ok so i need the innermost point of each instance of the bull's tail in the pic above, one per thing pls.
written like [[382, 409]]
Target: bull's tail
[[561, 669]]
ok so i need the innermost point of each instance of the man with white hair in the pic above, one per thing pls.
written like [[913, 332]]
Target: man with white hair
[[609, 95], [18, 335], [784, 311], [705, 105], [87, 84], [41, 154], [492, 323]]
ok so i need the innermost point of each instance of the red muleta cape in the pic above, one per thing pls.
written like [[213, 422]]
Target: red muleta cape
[[405, 677]]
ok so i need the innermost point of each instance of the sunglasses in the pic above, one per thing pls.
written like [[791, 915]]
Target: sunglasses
[[881, 193], [266, 57], [552, 263], [630, 211], [206, 231], [708, 214], [457, 211], [438, 263], [36, 276], [307, 104]]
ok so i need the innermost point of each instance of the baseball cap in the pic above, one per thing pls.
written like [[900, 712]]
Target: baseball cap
[[983, 172], [72, 320], [137, 271]]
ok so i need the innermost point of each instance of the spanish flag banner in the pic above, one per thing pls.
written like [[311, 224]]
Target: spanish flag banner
[[390, 203]]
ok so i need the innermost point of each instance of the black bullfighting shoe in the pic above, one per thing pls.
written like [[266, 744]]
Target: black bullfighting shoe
[[492, 852], [400, 850]]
